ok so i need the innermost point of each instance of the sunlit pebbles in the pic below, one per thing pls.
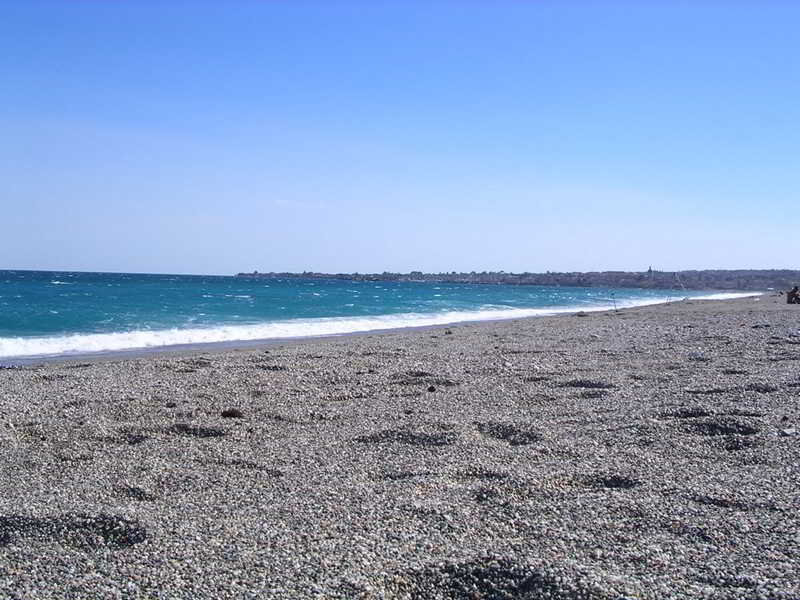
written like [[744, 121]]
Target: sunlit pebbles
[[325, 469]]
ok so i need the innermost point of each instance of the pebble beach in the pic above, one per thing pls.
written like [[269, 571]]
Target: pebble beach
[[648, 453]]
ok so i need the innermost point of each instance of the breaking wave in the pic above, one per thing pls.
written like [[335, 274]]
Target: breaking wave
[[86, 343]]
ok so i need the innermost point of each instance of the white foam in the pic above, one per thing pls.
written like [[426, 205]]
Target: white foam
[[727, 296], [11, 347]]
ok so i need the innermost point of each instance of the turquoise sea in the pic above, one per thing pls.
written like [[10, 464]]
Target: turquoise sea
[[64, 313]]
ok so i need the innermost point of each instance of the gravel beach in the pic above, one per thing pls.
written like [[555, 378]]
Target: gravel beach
[[648, 453]]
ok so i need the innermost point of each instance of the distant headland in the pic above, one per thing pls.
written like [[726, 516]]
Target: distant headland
[[740, 279]]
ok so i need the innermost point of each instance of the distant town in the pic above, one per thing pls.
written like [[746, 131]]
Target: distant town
[[744, 279]]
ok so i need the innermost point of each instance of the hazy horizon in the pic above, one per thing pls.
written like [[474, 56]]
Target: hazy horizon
[[443, 272]]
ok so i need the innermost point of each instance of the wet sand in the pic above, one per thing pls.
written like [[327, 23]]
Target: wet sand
[[650, 453]]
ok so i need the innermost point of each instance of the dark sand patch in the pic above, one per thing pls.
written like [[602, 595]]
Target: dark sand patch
[[516, 434], [588, 384], [412, 438], [135, 493], [197, 431], [85, 532], [723, 426], [492, 579]]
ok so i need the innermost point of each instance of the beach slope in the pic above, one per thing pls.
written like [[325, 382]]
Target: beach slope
[[649, 453]]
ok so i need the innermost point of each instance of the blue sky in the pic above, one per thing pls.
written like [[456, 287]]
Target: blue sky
[[216, 137]]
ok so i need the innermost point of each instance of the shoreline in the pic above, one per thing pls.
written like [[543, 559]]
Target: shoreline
[[234, 345], [649, 453]]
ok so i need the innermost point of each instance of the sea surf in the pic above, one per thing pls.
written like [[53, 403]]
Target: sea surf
[[69, 314]]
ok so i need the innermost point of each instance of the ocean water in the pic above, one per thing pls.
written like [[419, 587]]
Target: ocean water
[[46, 314]]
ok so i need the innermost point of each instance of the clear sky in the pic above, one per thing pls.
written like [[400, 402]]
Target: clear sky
[[216, 137]]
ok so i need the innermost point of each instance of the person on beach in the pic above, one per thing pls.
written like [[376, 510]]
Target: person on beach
[[793, 296]]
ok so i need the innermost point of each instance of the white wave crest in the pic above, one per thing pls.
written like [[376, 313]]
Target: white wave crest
[[17, 347], [727, 295]]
